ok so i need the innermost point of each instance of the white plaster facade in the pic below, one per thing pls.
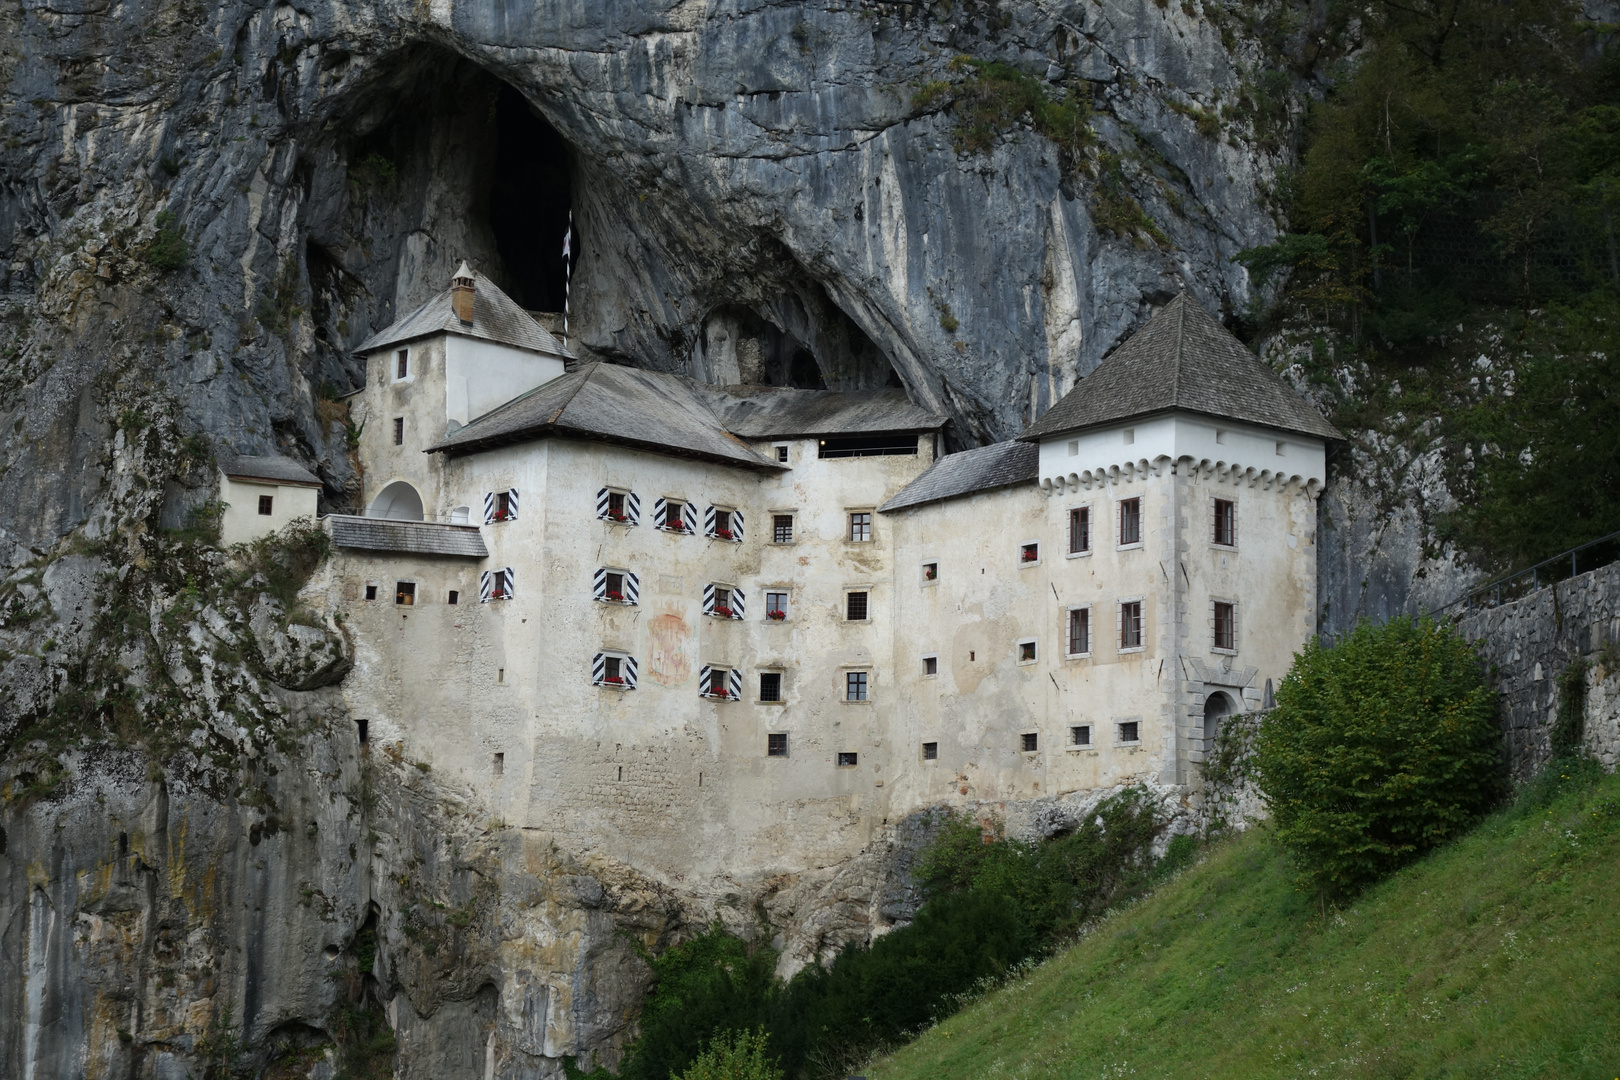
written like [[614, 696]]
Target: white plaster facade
[[247, 515], [509, 694]]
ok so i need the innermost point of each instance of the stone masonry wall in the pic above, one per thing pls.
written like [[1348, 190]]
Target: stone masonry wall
[[1531, 641]]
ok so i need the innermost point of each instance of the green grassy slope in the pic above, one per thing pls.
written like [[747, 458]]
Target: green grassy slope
[[1498, 956]]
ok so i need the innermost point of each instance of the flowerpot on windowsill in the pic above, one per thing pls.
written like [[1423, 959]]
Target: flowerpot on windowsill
[[723, 612], [618, 518], [613, 680], [675, 527], [776, 616], [929, 575], [724, 534], [617, 598]]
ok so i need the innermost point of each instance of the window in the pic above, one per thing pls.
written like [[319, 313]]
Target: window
[[1079, 631], [613, 586], [716, 686], [399, 431], [930, 666], [500, 506], [267, 505], [855, 686], [930, 572], [846, 759], [1130, 522], [616, 671], [1130, 436], [1220, 436], [1029, 554], [776, 606], [1080, 735], [371, 592], [1074, 447], [405, 593], [402, 364], [1026, 652], [455, 597], [1080, 530], [930, 751], [1130, 625], [498, 766], [1225, 522], [672, 515], [781, 452], [860, 527], [612, 505], [770, 686], [855, 607], [1282, 449], [495, 585], [1129, 731], [867, 445], [781, 528], [1225, 626], [723, 683], [724, 524], [723, 601], [776, 744], [1029, 742]]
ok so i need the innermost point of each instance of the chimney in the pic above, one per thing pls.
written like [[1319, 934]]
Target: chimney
[[462, 292]]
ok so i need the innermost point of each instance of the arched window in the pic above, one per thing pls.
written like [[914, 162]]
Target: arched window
[[398, 501]]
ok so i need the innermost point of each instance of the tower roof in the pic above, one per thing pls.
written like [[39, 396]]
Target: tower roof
[[496, 317], [1182, 360]]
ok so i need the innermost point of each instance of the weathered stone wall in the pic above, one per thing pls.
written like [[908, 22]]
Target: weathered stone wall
[[1529, 643]]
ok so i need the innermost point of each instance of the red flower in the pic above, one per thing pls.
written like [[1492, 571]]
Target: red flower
[[617, 680], [723, 611], [776, 614], [615, 596]]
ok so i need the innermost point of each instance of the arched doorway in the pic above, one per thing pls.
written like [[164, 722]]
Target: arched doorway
[[398, 502], [1217, 707]]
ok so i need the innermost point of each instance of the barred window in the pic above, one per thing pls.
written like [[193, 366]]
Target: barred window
[[856, 607], [860, 526], [855, 686], [781, 528], [770, 686], [776, 744], [1079, 631], [1225, 626]]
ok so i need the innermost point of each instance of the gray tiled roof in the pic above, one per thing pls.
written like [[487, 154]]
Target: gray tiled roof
[[998, 465], [273, 468], [409, 537], [653, 410], [1182, 359], [496, 317], [768, 412]]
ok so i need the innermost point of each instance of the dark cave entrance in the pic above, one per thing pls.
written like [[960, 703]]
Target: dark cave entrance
[[529, 199]]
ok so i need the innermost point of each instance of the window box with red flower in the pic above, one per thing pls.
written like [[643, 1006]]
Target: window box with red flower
[[776, 615]]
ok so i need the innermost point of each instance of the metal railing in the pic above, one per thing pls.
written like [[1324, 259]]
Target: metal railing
[[1545, 572]]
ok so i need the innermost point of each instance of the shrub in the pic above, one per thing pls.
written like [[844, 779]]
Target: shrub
[[1380, 748], [734, 1056], [168, 249]]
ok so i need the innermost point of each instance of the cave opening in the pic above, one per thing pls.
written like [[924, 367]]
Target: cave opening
[[530, 195]]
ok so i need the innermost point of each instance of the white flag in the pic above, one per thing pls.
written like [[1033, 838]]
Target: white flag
[[568, 236]]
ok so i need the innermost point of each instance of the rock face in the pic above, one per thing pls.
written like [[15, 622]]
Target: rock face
[[203, 209]]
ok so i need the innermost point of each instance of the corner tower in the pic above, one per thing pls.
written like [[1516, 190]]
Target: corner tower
[[1190, 472]]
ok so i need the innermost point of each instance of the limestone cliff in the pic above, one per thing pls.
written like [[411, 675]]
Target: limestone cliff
[[202, 209]]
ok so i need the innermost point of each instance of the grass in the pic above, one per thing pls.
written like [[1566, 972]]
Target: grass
[[1498, 956]]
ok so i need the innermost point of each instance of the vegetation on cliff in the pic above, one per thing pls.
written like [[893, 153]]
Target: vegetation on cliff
[[1497, 955], [1453, 265]]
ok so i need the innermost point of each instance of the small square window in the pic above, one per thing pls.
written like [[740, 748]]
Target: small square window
[[930, 572], [1130, 731], [1074, 447], [402, 364], [776, 744], [855, 607], [612, 669], [776, 606], [1080, 530], [1130, 625], [500, 676], [1282, 448], [930, 751], [267, 505], [498, 766], [770, 686], [405, 593], [455, 597], [1130, 521], [781, 528], [1026, 652], [722, 524], [1220, 436], [1225, 523], [855, 686], [674, 516], [1029, 554], [930, 666], [717, 682], [781, 453], [846, 759], [399, 431], [1029, 741], [1080, 735], [860, 527], [1130, 436], [371, 592]]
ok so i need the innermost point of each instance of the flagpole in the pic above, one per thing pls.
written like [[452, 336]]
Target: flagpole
[[568, 272]]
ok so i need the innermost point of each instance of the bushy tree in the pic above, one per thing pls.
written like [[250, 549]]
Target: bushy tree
[[1380, 748], [738, 1055]]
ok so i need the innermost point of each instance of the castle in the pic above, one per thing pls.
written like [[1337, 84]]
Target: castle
[[717, 632]]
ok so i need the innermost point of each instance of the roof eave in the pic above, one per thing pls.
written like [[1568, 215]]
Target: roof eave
[[549, 431], [1149, 414], [245, 479], [888, 509]]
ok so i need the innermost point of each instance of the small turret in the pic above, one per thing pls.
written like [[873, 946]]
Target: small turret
[[462, 292]]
